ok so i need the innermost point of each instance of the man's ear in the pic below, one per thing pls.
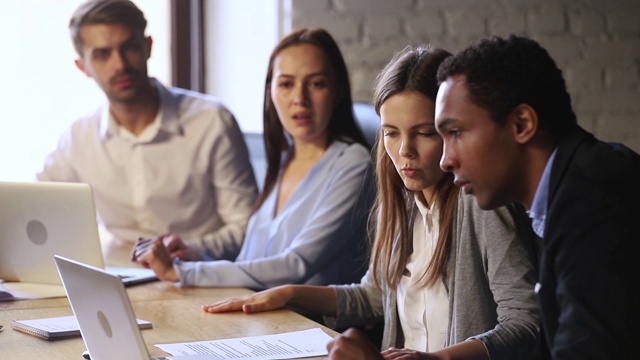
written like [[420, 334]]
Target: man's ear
[[525, 121], [80, 65], [149, 43]]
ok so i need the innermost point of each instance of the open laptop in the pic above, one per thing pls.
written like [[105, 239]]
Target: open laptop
[[41, 219], [104, 313]]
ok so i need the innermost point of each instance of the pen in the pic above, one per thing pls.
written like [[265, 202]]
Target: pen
[[141, 241]]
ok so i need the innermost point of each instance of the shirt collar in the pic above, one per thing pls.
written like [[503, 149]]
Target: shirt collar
[[166, 120], [538, 211], [424, 210]]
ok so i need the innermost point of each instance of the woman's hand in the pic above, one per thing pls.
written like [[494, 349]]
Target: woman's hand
[[271, 299], [179, 250], [394, 353], [176, 247], [151, 253], [470, 350]]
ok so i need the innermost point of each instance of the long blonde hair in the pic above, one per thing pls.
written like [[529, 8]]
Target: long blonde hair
[[394, 209]]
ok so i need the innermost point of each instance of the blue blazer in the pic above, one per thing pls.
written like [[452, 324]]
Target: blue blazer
[[590, 263]]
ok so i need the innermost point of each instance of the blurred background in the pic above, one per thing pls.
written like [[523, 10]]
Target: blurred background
[[222, 47]]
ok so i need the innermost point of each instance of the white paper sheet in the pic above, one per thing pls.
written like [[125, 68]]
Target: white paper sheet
[[24, 290], [290, 345]]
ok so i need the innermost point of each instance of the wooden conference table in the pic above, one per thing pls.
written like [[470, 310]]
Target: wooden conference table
[[175, 313]]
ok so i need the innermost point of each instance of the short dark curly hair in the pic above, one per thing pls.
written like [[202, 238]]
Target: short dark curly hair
[[502, 73]]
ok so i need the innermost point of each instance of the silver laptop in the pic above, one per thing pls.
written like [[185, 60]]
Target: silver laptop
[[38, 220], [104, 313], [41, 219]]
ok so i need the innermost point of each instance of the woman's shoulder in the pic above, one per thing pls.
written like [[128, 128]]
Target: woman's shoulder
[[468, 207], [498, 222], [353, 150], [500, 226]]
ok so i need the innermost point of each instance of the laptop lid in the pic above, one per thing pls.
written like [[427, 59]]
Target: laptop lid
[[103, 310], [40, 219]]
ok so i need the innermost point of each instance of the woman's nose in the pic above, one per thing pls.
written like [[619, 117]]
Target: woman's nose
[[300, 96], [407, 150]]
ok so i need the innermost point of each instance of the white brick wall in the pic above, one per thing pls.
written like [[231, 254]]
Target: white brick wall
[[595, 42]]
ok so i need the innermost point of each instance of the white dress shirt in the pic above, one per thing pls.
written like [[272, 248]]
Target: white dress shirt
[[423, 311], [187, 173]]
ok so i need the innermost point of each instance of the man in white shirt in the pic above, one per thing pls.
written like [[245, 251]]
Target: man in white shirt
[[159, 160]]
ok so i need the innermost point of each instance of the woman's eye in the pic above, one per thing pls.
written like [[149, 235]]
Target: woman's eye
[[389, 133], [319, 84], [427, 133], [285, 84]]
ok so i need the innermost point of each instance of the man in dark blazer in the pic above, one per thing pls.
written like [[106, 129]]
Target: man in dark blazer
[[510, 135]]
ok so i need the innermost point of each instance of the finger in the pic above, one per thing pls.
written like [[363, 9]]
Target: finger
[[258, 306], [353, 333], [392, 355], [223, 307], [171, 241], [330, 345], [390, 350]]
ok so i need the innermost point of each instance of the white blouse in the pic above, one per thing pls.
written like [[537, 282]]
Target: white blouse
[[423, 312]]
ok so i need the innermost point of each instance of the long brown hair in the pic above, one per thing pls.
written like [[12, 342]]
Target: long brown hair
[[342, 125], [394, 209]]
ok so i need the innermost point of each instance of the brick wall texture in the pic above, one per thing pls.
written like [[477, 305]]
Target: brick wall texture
[[595, 42]]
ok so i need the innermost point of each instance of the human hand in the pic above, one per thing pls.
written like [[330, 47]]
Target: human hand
[[175, 246], [352, 344], [394, 353], [271, 299], [152, 253], [179, 250]]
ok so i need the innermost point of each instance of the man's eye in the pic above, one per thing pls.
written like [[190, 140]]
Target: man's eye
[[100, 54], [131, 47]]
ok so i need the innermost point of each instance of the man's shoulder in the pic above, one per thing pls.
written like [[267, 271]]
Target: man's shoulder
[[90, 122], [600, 160], [194, 107], [191, 98], [591, 175]]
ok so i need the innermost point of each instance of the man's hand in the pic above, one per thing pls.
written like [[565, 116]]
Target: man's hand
[[352, 344]]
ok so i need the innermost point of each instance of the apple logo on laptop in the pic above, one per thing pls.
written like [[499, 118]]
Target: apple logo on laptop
[[105, 324], [37, 232]]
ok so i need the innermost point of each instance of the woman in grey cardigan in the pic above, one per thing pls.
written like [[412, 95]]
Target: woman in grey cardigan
[[447, 279]]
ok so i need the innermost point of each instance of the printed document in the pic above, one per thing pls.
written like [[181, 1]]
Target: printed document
[[290, 345]]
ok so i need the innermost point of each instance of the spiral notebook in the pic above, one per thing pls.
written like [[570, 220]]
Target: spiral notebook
[[57, 327]]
